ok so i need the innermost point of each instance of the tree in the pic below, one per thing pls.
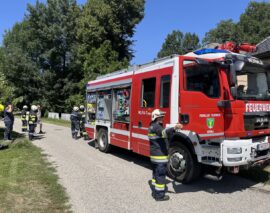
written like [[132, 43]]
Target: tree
[[255, 22], [225, 30], [53, 37], [6, 91], [105, 31], [178, 43], [253, 27], [18, 70], [40, 57], [49, 56]]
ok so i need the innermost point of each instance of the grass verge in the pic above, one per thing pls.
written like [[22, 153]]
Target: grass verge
[[56, 122], [28, 183]]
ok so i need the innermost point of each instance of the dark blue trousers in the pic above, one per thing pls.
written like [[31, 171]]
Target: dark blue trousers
[[24, 125], [31, 131], [159, 179], [75, 127], [8, 130]]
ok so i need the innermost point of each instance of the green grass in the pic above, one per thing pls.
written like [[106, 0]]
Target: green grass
[[56, 122], [28, 183]]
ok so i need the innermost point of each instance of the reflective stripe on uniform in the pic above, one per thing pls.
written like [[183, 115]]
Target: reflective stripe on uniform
[[153, 181], [84, 133], [159, 187], [153, 136], [164, 134], [159, 159]]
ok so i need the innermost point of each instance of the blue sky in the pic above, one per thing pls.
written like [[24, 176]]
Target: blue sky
[[161, 17]]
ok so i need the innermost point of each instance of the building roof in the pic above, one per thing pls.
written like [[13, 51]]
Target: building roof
[[263, 48]]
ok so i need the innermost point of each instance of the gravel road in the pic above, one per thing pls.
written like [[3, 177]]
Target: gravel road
[[118, 182]]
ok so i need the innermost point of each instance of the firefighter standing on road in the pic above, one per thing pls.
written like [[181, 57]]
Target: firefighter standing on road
[[32, 121], [75, 118], [159, 153], [23, 118], [82, 123]]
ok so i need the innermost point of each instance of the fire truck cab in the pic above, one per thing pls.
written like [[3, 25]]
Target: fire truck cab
[[221, 98]]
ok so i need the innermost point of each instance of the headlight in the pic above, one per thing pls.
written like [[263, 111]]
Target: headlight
[[234, 150]]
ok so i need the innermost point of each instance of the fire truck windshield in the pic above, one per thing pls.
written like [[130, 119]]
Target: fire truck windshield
[[252, 83]]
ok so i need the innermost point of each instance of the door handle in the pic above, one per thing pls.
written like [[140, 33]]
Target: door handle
[[139, 124]]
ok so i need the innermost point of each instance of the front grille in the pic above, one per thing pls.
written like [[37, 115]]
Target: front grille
[[256, 121]]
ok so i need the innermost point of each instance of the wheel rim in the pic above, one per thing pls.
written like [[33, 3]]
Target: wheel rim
[[177, 162]]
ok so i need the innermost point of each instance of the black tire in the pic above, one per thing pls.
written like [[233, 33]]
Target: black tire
[[186, 170], [103, 142]]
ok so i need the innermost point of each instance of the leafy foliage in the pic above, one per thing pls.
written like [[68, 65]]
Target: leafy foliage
[[255, 22], [225, 31], [49, 56], [105, 29], [178, 43], [253, 27]]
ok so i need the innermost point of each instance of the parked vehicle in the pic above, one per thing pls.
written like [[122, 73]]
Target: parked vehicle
[[222, 99]]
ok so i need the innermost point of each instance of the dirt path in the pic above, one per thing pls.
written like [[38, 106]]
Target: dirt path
[[118, 182]]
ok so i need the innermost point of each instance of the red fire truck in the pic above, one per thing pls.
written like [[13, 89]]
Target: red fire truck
[[222, 98]]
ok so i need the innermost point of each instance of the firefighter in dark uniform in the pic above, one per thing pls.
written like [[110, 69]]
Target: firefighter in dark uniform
[[75, 118], [159, 153], [9, 121], [23, 118], [32, 121], [83, 132]]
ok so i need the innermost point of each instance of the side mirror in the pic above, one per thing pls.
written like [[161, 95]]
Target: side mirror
[[232, 74], [234, 92]]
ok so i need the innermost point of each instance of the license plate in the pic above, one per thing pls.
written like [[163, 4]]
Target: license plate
[[263, 146]]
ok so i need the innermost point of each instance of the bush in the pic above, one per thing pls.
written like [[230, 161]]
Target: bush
[[46, 114]]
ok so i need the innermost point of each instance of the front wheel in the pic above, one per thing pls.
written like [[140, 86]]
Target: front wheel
[[182, 165], [103, 142]]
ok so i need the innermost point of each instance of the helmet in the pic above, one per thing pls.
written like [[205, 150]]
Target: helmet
[[34, 107], [75, 108], [157, 114], [82, 107], [25, 107], [2, 107]]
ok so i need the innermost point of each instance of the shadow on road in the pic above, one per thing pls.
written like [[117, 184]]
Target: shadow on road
[[39, 137], [229, 184], [14, 135]]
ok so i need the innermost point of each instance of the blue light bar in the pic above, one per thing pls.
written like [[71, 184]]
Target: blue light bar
[[207, 51]]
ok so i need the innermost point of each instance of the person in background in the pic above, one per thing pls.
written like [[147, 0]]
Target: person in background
[[75, 118], [159, 153], [9, 121], [23, 118], [83, 132], [32, 121], [39, 122]]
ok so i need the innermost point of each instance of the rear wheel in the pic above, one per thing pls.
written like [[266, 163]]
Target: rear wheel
[[182, 166], [103, 142]]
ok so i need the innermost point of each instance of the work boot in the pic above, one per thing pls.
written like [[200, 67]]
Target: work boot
[[165, 198], [40, 132]]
